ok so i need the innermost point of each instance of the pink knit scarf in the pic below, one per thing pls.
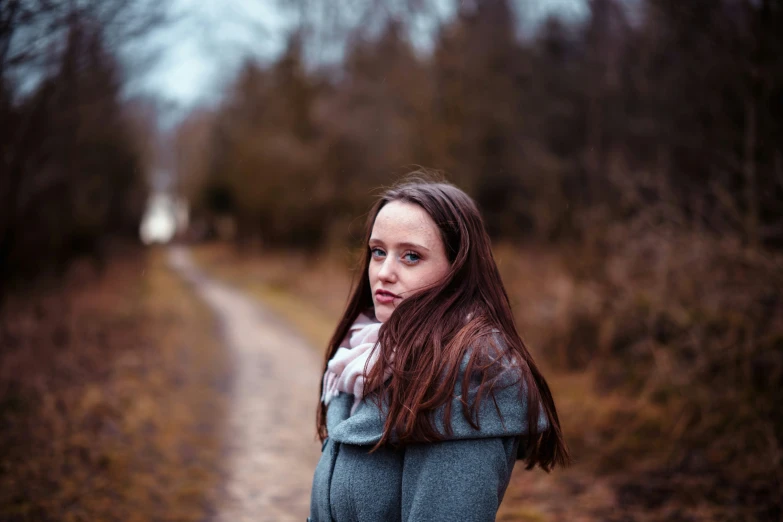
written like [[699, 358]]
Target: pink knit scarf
[[345, 370]]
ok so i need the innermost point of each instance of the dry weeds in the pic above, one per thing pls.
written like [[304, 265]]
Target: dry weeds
[[110, 399]]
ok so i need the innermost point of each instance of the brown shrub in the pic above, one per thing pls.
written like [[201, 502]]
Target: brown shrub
[[691, 325], [108, 405]]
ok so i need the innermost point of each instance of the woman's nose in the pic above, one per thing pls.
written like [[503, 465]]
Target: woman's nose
[[387, 271]]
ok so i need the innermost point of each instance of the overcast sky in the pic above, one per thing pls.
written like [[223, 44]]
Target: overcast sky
[[210, 38]]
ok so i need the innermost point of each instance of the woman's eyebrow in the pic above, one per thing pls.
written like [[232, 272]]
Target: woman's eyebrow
[[403, 244], [413, 246]]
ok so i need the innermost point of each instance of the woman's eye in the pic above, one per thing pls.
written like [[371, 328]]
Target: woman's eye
[[411, 257], [377, 252]]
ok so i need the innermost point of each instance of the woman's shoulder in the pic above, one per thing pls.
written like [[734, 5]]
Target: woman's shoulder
[[490, 358], [495, 402]]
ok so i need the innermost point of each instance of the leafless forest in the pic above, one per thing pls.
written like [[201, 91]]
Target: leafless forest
[[630, 158]]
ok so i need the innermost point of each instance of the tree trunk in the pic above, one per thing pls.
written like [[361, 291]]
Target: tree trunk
[[749, 172]]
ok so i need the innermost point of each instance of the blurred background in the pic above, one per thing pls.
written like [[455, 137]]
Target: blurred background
[[627, 156]]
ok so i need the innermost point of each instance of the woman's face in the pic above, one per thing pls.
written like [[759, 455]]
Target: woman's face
[[407, 255]]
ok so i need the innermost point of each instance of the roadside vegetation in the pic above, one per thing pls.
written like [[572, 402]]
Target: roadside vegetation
[[112, 398]]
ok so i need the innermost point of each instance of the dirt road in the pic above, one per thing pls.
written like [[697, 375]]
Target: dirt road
[[272, 447]]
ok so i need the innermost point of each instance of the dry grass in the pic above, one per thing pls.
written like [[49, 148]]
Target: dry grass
[[686, 326], [110, 399]]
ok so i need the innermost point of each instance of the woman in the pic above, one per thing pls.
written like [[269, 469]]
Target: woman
[[429, 395]]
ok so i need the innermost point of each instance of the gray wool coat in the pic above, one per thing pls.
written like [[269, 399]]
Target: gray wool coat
[[462, 478]]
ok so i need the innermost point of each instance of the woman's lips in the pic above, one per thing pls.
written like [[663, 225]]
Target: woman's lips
[[385, 297]]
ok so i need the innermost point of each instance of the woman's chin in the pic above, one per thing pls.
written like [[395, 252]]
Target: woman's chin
[[383, 312]]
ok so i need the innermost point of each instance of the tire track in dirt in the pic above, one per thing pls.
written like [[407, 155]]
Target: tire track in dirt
[[270, 435]]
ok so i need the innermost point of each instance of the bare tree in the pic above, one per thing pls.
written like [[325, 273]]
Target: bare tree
[[60, 89]]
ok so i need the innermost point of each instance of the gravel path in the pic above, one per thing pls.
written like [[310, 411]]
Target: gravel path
[[271, 435]]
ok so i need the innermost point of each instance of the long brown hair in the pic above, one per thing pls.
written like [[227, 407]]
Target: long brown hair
[[432, 331]]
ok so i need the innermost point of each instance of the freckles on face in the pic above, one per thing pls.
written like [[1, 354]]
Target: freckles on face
[[407, 255]]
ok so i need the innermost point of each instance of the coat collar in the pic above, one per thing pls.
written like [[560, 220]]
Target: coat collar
[[505, 416]]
